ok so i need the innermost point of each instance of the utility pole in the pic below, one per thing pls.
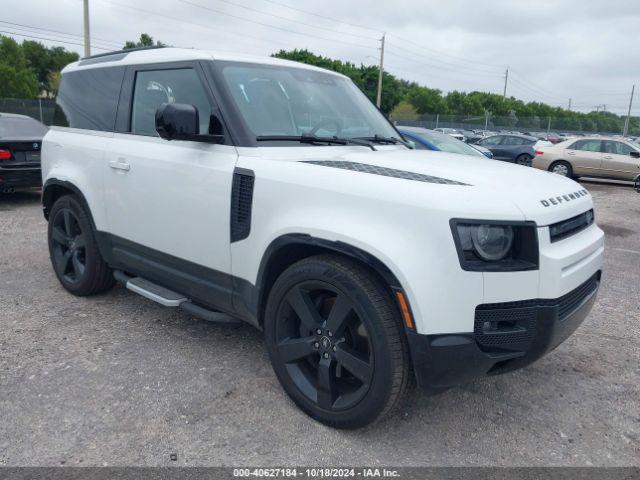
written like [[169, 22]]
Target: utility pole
[[87, 36], [569, 105], [626, 122], [506, 80], [379, 96]]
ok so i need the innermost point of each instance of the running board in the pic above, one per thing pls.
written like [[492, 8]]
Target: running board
[[169, 298]]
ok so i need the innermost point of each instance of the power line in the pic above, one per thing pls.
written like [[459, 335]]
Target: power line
[[296, 21], [244, 36], [39, 31], [102, 40], [457, 65], [439, 67], [52, 39], [422, 47], [276, 27], [324, 17], [435, 73]]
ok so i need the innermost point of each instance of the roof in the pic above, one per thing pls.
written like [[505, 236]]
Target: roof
[[171, 54]]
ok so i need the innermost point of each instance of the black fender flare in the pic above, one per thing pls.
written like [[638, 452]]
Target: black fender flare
[[251, 300], [49, 190]]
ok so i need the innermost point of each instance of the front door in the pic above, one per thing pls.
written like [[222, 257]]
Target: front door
[[618, 162], [168, 202]]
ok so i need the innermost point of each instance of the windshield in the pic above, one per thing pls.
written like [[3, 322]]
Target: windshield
[[280, 100], [447, 143], [16, 127]]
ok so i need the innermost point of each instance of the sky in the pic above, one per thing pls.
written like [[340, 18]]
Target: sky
[[586, 51]]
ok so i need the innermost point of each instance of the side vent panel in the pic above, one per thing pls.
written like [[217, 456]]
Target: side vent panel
[[241, 202]]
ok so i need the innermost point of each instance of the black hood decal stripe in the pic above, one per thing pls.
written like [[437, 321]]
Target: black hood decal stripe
[[384, 171]]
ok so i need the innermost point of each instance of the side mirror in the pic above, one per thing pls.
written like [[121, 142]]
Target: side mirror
[[181, 121], [634, 154]]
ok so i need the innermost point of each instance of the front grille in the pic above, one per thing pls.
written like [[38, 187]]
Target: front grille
[[512, 325], [571, 226], [572, 300]]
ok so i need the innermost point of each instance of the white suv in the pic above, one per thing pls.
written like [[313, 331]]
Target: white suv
[[276, 193]]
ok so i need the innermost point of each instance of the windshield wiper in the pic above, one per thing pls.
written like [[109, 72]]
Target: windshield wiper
[[314, 139], [385, 140]]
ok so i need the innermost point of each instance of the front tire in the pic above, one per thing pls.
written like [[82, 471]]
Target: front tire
[[336, 341], [73, 249]]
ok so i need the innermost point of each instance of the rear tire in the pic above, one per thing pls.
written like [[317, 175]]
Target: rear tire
[[562, 168], [524, 160], [336, 342], [73, 249]]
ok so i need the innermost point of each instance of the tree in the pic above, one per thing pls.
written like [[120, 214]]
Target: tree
[[46, 61], [17, 80], [364, 76], [426, 100], [146, 40]]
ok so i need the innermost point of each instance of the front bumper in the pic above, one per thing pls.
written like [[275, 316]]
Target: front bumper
[[506, 336], [20, 177]]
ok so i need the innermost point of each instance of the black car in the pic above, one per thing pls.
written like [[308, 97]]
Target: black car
[[20, 143], [511, 148]]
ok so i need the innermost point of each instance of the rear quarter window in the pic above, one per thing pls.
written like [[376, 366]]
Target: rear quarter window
[[88, 99]]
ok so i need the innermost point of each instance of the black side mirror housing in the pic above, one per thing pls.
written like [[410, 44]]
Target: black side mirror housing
[[634, 154], [181, 121]]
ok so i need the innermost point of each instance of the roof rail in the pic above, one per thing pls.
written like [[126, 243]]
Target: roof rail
[[126, 50]]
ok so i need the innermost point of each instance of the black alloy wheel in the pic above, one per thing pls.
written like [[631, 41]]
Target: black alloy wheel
[[73, 249], [325, 345], [69, 246], [336, 341]]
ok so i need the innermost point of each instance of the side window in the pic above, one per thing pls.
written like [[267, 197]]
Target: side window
[[587, 145], [88, 98], [490, 141], [155, 87], [510, 141], [617, 148]]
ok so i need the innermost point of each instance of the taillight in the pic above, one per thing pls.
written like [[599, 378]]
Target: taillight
[[539, 152], [5, 154]]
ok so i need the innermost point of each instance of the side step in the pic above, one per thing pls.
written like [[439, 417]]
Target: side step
[[169, 298]]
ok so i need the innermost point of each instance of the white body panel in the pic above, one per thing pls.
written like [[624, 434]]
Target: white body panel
[[173, 197]]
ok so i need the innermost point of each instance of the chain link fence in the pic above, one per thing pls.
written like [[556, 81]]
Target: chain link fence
[[42, 109], [511, 123]]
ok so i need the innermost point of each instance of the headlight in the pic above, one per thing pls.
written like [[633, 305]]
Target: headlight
[[496, 246]]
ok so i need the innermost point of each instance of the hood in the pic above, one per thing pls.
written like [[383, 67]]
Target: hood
[[541, 196]]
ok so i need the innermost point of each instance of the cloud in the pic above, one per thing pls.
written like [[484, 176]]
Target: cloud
[[555, 50]]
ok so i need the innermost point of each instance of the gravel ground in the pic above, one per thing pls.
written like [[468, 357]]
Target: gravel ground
[[118, 380]]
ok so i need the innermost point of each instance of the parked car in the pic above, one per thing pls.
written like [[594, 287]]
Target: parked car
[[20, 142], [591, 157], [453, 132], [511, 148], [425, 139], [276, 193], [471, 136]]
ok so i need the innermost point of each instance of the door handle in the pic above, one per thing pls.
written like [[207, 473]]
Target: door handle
[[120, 164], [571, 153], [607, 157]]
